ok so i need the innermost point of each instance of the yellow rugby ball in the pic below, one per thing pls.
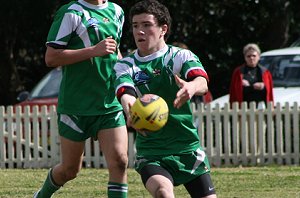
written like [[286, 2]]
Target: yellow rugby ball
[[149, 112]]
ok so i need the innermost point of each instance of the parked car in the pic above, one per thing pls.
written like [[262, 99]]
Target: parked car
[[284, 65], [45, 92], [296, 43]]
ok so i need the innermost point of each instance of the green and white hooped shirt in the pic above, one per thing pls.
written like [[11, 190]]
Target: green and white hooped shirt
[[155, 74]]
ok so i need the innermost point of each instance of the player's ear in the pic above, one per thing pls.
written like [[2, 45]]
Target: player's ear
[[164, 29]]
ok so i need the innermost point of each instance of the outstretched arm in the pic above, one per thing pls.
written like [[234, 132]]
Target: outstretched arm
[[187, 90]]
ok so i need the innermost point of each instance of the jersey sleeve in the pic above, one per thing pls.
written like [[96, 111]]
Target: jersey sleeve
[[64, 24], [123, 77], [120, 16], [188, 65]]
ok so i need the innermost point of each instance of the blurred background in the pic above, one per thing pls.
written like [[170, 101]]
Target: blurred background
[[216, 31]]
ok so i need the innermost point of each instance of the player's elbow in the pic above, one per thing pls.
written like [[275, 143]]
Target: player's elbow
[[52, 57], [50, 62]]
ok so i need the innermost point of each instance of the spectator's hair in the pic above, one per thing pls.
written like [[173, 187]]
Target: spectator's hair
[[251, 46], [158, 10]]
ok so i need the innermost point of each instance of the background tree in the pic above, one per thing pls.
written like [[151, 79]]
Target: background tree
[[215, 30]]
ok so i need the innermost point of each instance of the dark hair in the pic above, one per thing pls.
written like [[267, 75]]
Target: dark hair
[[158, 10]]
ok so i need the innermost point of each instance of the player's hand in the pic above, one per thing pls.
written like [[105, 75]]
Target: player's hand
[[129, 124], [127, 101], [185, 93], [106, 46]]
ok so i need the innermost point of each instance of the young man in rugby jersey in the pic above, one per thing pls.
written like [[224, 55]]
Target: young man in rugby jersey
[[171, 156], [84, 40]]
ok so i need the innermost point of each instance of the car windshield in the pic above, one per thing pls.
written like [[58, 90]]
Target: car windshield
[[285, 69], [48, 86]]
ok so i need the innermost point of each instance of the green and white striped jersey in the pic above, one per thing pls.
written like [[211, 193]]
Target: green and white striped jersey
[[155, 74], [86, 87]]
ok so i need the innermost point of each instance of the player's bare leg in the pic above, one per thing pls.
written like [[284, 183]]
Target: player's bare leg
[[160, 186], [66, 170], [114, 145], [71, 161]]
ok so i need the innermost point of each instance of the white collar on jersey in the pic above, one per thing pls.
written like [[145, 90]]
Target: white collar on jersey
[[151, 56], [92, 6]]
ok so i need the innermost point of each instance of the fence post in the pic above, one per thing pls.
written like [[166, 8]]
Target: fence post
[[54, 138], [253, 135], [19, 137], [270, 133], [2, 137], [296, 129]]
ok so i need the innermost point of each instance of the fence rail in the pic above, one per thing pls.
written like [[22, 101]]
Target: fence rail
[[230, 137]]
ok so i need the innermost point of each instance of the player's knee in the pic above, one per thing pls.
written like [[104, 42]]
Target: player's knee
[[70, 173], [120, 162], [123, 161], [163, 192]]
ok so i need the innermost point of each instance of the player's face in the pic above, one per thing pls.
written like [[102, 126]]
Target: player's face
[[148, 36], [252, 58]]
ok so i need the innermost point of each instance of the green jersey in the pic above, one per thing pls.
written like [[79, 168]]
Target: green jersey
[[155, 74], [86, 87]]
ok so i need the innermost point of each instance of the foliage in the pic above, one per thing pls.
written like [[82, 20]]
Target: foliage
[[215, 30], [268, 182]]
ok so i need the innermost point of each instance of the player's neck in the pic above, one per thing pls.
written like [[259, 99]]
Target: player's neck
[[152, 50], [96, 2]]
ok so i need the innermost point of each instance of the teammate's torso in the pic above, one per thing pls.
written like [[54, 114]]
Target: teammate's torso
[[86, 86]]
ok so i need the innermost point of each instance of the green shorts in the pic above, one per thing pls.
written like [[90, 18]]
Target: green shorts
[[183, 167], [80, 128]]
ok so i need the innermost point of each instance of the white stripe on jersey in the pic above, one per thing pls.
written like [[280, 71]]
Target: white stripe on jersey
[[118, 14], [123, 68], [180, 58], [151, 57], [69, 122], [118, 115], [70, 23], [200, 158]]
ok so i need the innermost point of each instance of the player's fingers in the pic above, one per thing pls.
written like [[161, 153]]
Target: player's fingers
[[177, 103], [180, 99], [179, 81], [180, 93]]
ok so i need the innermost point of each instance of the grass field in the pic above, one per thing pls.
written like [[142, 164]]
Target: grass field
[[258, 182]]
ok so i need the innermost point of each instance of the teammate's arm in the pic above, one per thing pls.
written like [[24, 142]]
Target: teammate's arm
[[57, 57]]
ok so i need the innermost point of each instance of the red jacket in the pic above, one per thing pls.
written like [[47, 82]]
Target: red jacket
[[236, 87]]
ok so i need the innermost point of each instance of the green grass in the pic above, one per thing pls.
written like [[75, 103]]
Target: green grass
[[265, 182]]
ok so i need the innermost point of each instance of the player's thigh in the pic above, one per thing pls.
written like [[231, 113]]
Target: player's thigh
[[201, 186], [71, 153], [113, 142]]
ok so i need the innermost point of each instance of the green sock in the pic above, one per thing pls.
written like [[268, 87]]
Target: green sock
[[117, 190], [48, 187]]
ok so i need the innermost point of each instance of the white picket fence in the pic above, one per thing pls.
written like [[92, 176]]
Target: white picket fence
[[249, 137], [230, 137]]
